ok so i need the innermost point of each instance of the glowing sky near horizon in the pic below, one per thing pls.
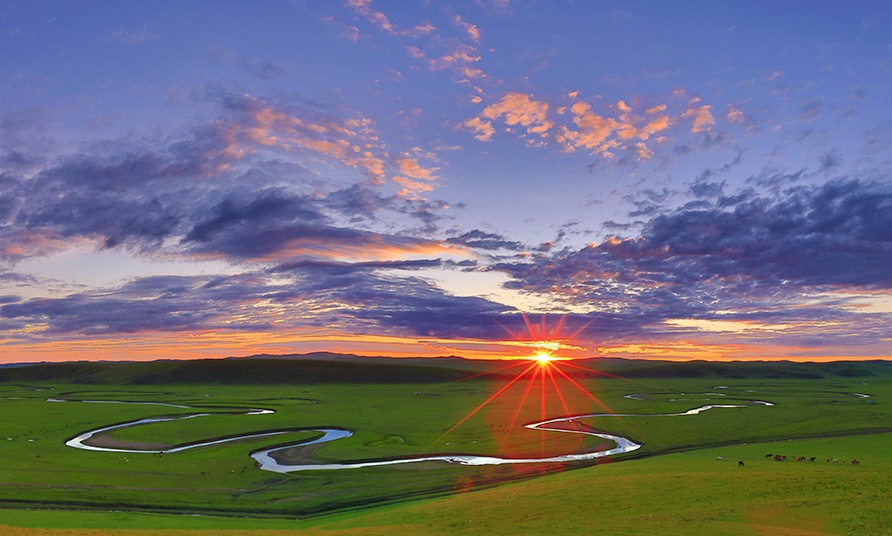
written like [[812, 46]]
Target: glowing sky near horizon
[[658, 180]]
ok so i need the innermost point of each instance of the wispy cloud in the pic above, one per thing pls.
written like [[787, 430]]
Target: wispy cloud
[[434, 47], [353, 142], [132, 36], [364, 9]]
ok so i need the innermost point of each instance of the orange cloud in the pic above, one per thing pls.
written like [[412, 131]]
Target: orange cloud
[[351, 142], [593, 129], [483, 129], [519, 109], [368, 247], [701, 115], [457, 55], [348, 142], [24, 244], [473, 31], [655, 125], [411, 168], [598, 133], [734, 115], [411, 189], [364, 9], [414, 178]]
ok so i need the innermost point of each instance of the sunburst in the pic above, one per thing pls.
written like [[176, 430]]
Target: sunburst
[[540, 373]]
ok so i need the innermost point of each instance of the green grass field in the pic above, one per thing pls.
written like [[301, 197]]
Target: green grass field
[[672, 485]]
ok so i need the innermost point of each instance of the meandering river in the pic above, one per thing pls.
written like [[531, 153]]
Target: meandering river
[[267, 461]]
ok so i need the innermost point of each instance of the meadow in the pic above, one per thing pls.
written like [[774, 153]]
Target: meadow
[[673, 484]]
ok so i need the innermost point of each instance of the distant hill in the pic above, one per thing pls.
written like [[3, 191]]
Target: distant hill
[[345, 368], [642, 368], [233, 371]]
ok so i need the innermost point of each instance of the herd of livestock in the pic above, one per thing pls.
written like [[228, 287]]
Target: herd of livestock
[[782, 457]]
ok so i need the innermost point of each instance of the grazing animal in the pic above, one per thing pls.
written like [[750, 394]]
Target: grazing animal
[[768, 456], [779, 458], [800, 459], [834, 460], [719, 458], [811, 459], [856, 462], [740, 464]]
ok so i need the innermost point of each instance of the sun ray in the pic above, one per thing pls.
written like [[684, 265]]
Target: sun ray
[[530, 327], [489, 372], [600, 373], [483, 404], [548, 368], [523, 399], [515, 336], [560, 395], [542, 411], [583, 389], [578, 331]]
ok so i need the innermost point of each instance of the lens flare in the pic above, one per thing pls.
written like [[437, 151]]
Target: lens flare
[[537, 386]]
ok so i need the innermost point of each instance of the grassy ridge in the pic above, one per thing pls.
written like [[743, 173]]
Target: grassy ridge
[[328, 368]]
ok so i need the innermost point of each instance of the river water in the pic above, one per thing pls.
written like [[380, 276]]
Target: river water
[[265, 458]]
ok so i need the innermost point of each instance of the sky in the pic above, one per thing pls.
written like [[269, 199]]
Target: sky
[[653, 180]]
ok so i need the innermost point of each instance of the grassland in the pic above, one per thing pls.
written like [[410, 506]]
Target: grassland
[[672, 485]]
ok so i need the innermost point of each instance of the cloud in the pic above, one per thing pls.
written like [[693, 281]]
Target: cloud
[[340, 268], [830, 160], [131, 37], [471, 29], [364, 9], [268, 206], [810, 110], [351, 142], [311, 294], [276, 241], [483, 129], [619, 130], [735, 115], [518, 109], [243, 186], [592, 133], [744, 257], [18, 244], [700, 115], [457, 54], [151, 304], [487, 241], [703, 188]]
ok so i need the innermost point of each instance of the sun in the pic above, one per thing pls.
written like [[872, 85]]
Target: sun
[[543, 358]]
